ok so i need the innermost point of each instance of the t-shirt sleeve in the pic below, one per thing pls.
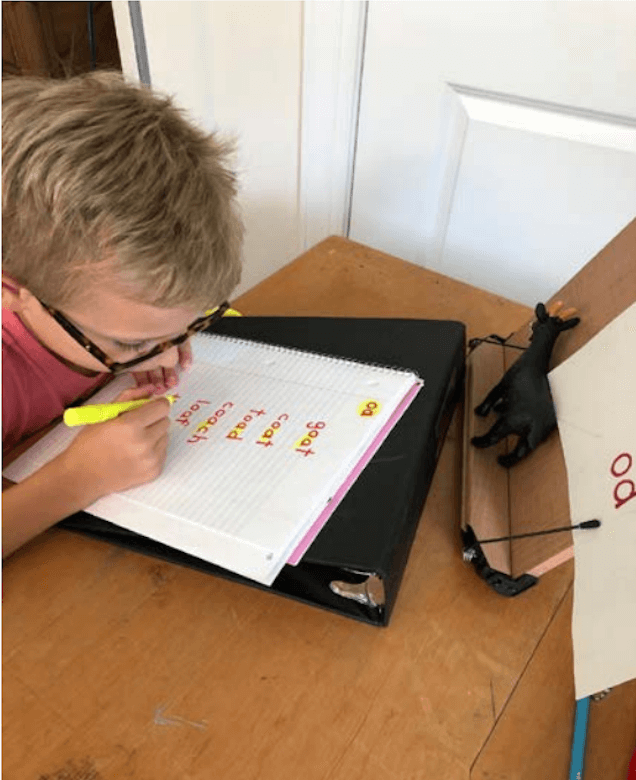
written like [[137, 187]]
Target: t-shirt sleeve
[[13, 419]]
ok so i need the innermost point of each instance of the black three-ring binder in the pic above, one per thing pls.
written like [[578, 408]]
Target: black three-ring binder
[[355, 565]]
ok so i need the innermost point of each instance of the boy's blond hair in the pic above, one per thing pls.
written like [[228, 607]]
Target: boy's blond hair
[[107, 181]]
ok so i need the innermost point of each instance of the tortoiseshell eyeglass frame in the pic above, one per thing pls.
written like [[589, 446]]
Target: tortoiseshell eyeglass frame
[[210, 317]]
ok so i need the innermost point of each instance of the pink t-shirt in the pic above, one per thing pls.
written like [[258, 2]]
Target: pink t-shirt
[[36, 386]]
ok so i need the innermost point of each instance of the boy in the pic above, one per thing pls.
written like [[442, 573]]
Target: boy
[[120, 235]]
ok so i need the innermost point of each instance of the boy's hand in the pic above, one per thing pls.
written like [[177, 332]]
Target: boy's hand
[[119, 454], [163, 379]]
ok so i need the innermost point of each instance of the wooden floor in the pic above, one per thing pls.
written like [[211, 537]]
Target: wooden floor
[[120, 666]]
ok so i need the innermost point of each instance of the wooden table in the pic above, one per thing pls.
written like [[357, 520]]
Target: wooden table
[[120, 666]]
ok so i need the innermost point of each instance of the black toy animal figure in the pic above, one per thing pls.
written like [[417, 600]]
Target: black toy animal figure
[[523, 399]]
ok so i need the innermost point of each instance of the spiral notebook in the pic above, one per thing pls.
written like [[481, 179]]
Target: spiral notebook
[[265, 441]]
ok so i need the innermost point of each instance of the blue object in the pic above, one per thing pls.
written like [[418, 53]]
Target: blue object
[[578, 742]]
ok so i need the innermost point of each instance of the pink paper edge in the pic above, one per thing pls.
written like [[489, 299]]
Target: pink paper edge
[[322, 518]]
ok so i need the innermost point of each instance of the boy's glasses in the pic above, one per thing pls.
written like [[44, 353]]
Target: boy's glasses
[[209, 318]]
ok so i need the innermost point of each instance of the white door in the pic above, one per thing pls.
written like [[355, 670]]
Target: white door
[[235, 67], [497, 140]]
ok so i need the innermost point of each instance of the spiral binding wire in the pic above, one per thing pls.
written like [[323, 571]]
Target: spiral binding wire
[[324, 356]]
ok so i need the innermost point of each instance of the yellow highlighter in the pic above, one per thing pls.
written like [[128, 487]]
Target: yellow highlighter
[[96, 413]]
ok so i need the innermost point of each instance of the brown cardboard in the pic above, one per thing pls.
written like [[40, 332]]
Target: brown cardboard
[[485, 500], [537, 486]]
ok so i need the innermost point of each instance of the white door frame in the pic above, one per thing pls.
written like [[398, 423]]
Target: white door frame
[[130, 39], [333, 56]]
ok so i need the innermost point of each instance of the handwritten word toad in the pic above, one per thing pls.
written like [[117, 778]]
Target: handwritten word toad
[[266, 437], [306, 440], [239, 428]]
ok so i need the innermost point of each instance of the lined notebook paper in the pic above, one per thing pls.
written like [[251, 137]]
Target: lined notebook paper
[[264, 442]]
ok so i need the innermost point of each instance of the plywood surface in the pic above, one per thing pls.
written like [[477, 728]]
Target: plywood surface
[[603, 289], [485, 499], [119, 666], [537, 487]]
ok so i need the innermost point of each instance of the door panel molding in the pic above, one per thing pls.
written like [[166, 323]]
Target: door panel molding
[[574, 124], [496, 141], [464, 104]]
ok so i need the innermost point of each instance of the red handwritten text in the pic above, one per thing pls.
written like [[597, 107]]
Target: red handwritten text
[[303, 444], [183, 417], [266, 437], [620, 466], [239, 428], [202, 428]]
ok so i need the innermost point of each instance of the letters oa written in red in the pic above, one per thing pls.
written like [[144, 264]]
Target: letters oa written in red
[[624, 490]]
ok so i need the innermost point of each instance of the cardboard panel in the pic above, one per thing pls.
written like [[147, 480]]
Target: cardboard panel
[[601, 290], [533, 495], [485, 490]]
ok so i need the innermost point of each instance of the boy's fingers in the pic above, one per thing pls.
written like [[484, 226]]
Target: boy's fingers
[[134, 393], [157, 379], [164, 378], [185, 354], [171, 377], [158, 432], [141, 378], [160, 379]]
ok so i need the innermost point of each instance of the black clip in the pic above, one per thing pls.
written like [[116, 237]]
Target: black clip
[[500, 582]]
